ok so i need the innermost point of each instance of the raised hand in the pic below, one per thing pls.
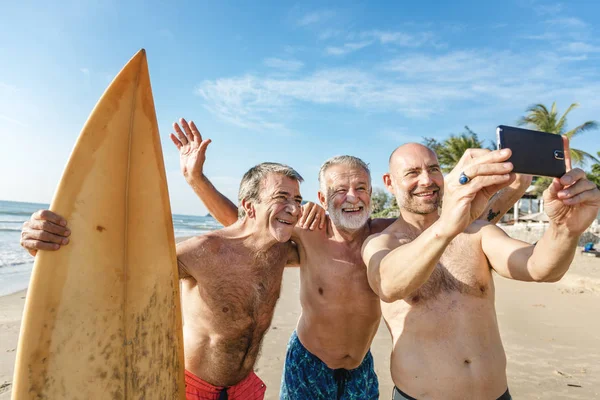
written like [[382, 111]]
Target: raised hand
[[572, 201], [192, 148], [45, 230], [485, 172]]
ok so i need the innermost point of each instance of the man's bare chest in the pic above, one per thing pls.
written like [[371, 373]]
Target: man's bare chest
[[463, 268]]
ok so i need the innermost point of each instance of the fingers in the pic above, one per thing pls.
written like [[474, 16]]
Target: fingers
[[554, 188], [182, 138], [45, 226], [186, 128], [315, 222], [175, 141], [585, 196], [567, 150], [34, 245], [204, 145], [47, 215], [46, 237], [572, 176], [483, 157], [195, 131], [488, 169], [471, 154], [578, 187], [308, 215]]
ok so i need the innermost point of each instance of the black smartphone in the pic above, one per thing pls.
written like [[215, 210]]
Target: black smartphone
[[533, 152]]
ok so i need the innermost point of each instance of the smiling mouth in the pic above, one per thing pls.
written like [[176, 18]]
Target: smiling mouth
[[352, 210], [430, 193], [283, 221]]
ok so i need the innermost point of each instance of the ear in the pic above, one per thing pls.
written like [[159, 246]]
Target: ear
[[387, 181], [322, 200], [249, 208]]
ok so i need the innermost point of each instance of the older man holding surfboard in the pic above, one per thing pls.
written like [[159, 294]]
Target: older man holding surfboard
[[230, 281]]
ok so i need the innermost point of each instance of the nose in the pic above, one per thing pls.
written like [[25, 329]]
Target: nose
[[351, 195], [425, 179], [294, 209]]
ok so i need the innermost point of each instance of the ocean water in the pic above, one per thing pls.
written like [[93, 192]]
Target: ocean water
[[16, 263]]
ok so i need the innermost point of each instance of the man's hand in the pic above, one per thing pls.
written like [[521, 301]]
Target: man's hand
[[45, 230], [464, 203], [312, 214], [192, 149], [572, 201]]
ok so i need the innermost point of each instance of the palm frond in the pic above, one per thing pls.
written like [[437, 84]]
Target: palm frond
[[560, 125], [586, 126]]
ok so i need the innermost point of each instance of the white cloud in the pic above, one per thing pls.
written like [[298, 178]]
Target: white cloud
[[548, 9], [543, 36], [288, 65], [413, 86], [580, 47], [85, 72], [569, 22], [346, 48], [400, 38], [315, 17]]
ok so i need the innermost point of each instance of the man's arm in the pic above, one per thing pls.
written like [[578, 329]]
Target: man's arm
[[219, 206], [394, 273], [502, 201], [547, 261], [192, 154], [571, 204], [389, 273]]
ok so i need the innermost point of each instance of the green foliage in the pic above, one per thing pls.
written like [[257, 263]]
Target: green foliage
[[594, 174], [379, 199], [538, 117], [451, 150], [384, 204]]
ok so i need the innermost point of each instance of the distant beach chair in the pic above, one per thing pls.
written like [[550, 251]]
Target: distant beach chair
[[589, 250]]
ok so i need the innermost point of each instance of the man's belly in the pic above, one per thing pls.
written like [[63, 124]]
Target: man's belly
[[447, 348], [221, 360], [339, 338]]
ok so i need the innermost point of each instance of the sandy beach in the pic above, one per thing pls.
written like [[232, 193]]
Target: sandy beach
[[551, 334]]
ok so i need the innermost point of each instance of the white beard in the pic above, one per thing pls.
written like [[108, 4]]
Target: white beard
[[347, 221]]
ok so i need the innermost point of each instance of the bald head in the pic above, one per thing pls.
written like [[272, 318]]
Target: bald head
[[410, 150], [415, 178]]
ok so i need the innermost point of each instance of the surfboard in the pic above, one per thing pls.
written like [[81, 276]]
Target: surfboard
[[102, 317]]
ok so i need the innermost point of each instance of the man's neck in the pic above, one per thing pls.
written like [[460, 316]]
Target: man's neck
[[254, 238], [419, 221], [349, 236]]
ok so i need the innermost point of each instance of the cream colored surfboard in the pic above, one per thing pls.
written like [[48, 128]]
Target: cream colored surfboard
[[102, 317]]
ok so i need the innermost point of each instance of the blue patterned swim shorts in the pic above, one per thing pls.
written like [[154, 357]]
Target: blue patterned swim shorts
[[306, 377]]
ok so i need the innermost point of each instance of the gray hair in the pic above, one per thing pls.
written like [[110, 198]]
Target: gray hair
[[254, 178], [350, 161]]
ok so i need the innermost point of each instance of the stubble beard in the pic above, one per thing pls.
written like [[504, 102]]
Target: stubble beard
[[411, 203]]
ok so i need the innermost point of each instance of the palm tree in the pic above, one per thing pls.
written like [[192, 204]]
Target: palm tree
[[539, 118], [594, 174], [451, 150]]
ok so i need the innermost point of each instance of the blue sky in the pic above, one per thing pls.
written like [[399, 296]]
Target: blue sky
[[288, 82]]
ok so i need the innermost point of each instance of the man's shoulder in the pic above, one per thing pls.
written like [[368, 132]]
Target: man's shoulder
[[210, 242], [378, 225]]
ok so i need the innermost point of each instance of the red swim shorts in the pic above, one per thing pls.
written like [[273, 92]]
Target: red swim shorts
[[250, 388]]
